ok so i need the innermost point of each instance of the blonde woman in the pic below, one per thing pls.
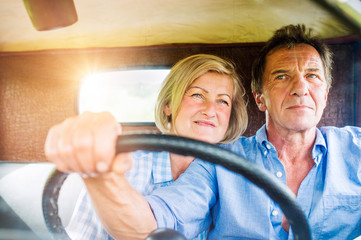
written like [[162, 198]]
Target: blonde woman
[[201, 98]]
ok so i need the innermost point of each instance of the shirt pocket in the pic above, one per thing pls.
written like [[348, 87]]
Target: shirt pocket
[[342, 216]]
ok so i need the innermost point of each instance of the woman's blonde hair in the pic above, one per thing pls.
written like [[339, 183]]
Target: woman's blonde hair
[[183, 74]]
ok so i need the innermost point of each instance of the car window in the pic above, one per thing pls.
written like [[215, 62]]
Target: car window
[[129, 94]]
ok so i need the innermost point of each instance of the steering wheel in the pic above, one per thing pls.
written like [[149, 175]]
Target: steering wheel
[[276, 190]]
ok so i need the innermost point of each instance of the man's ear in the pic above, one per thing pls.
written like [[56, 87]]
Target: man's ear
[[258, 97], [326, 94], [167, 110]]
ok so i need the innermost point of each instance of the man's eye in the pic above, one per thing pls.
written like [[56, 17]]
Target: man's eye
[[312, 76], [281, 77]]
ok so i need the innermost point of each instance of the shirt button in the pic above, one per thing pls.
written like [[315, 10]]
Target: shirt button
[[279, 174], [265, 153], [274, 212], [268, 146]]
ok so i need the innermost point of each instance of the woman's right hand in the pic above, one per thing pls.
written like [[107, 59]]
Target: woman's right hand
[[86, 144]]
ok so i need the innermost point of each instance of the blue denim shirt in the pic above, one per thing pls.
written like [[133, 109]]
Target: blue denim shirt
[[330, 195]]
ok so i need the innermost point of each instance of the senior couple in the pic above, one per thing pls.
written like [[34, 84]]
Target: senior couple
[[131, 194]]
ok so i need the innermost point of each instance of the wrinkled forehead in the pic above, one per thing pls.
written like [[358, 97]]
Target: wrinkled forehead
[[301, 56]]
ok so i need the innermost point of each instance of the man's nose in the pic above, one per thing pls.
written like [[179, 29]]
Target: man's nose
[[299, 86]]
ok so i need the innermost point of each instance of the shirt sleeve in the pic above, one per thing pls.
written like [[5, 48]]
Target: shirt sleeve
[[185, 205]]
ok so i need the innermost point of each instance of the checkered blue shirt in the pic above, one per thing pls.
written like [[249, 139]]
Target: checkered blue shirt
[[151, 170]]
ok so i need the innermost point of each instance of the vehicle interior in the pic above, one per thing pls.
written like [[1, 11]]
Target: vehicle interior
[[48, 49]]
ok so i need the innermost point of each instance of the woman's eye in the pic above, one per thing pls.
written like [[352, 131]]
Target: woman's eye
[[224, 102], [197, 95]]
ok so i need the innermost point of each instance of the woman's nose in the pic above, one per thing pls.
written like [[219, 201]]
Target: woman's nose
[[209, 108]]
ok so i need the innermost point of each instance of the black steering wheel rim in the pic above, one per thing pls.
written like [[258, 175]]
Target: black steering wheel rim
[[276, 190]]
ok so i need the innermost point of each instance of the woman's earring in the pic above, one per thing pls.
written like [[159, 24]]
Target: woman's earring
[[169, 125]]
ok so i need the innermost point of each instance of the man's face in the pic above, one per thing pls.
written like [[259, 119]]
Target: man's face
[[294, 89]]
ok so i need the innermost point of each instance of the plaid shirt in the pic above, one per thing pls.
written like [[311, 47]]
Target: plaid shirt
[[151, 170]]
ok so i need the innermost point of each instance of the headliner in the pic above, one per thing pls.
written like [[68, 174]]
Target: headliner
[[129, 23]]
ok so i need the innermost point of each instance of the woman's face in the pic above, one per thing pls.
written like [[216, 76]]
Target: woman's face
[[205, 109]]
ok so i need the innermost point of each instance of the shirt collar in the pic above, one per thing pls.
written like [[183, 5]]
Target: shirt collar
[[161, 167], [261, 135], [319, 148]]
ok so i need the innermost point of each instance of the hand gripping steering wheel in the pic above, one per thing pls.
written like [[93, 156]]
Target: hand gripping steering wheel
[[276, 190]]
